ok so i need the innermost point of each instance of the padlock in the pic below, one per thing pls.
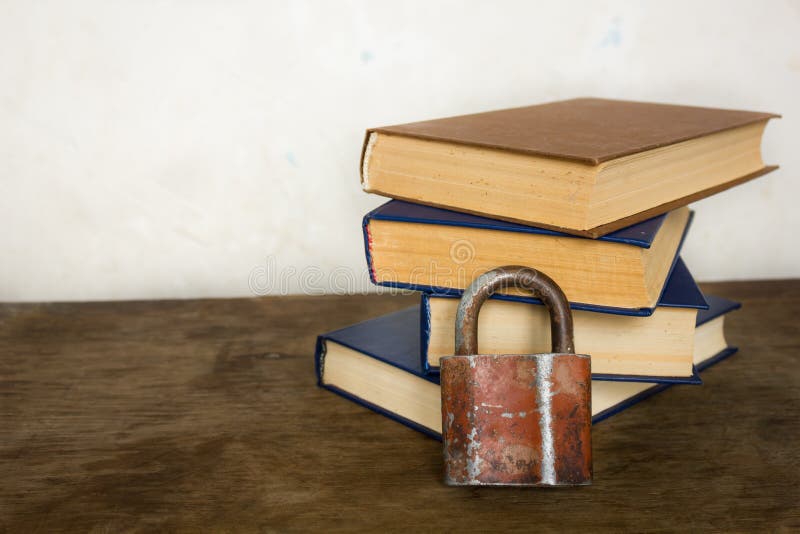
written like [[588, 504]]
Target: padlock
[[516, 419]]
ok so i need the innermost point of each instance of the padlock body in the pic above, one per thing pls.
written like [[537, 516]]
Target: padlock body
[[517, 419]]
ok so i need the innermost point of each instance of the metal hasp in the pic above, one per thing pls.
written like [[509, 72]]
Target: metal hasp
[[516, 419]]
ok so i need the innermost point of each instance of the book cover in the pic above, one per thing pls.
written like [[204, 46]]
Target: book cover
[[392, 341], [586, 166], [680, 291], [587, 130], [683, 292], [639, 236]]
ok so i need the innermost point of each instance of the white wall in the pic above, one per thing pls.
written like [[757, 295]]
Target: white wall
[[175, 149]]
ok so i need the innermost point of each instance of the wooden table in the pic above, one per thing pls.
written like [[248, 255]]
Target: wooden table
[[204, 415]]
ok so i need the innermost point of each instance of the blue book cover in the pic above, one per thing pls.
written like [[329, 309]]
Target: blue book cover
[[393, 340], [680, 291], [639, 235], [716, 306]]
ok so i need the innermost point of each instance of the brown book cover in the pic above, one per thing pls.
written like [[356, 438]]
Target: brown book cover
[[585, 131], [589, 130]]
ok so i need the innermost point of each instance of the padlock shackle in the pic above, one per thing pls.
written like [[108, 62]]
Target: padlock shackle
[[539, 284]]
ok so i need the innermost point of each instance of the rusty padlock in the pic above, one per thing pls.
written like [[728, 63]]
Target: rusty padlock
[[516, 419]]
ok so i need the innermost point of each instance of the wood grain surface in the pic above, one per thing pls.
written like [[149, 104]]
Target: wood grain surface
[[204, 416]]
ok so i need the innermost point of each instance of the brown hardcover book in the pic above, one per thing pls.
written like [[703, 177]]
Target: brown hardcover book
[[586, 166]]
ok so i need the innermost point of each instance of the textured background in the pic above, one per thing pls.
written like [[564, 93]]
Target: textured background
[[182, 149]]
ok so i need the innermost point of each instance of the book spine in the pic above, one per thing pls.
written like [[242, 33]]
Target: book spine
[[319, 358], [425, 333], [368, 248]]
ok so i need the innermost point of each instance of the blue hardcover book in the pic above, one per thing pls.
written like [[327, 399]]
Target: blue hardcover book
[[430, 249], [653, 348], [376, 364]]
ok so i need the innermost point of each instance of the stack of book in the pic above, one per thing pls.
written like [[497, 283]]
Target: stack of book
[[591, 192]]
